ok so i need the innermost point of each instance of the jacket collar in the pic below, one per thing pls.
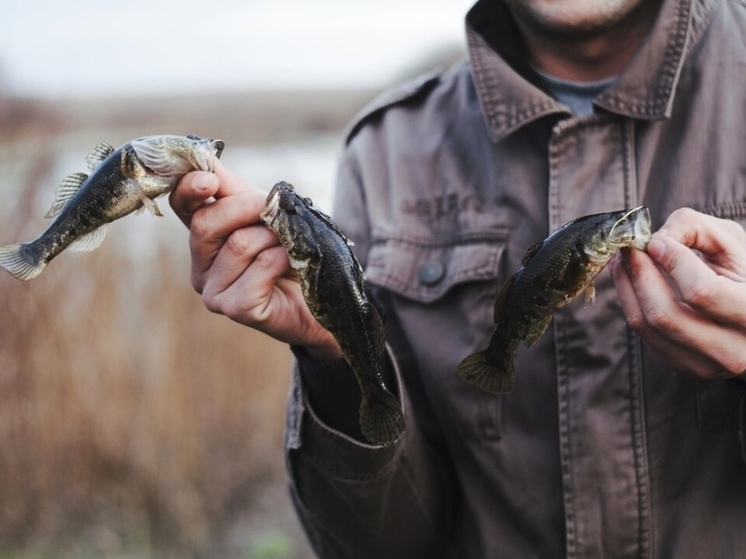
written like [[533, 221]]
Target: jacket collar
[[506, 84]]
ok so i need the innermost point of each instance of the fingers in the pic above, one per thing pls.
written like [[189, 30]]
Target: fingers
[[201, 188], [246, 252], [722, 242], [684, 338], [224, 220], [710, 293]]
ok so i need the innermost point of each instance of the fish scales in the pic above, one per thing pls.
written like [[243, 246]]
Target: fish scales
[[121, 182], [333, 286], [554, 272]]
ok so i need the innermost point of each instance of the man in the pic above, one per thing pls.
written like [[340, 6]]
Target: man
[[621, 438]]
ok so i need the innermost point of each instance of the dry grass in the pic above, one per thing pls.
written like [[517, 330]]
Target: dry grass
[[125, 406]]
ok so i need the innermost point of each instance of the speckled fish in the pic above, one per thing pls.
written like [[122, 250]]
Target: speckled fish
[[121, 182], [555, 271], [333, 287]]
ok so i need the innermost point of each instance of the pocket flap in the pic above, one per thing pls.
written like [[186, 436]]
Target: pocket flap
[[425, 269]]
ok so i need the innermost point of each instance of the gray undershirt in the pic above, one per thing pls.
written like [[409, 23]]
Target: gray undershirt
[[578, 96]]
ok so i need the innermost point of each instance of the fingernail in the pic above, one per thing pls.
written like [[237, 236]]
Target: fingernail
[[204, 181], [656, 248]]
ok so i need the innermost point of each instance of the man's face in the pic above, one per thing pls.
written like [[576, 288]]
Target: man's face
[[574, 18]]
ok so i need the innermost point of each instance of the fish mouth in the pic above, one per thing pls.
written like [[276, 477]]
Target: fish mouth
[[218, 146], [207, 152], [633, 228], [271, 207]]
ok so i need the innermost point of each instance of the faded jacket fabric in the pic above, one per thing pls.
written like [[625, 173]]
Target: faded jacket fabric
[[599, 451]]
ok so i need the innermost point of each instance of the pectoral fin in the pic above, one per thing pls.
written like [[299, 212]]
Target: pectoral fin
[[151, 206], [590, 294]]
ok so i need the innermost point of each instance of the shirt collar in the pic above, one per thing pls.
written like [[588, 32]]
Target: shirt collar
[[508, 88]]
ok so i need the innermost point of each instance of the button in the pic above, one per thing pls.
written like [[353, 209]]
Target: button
[[432, 272]]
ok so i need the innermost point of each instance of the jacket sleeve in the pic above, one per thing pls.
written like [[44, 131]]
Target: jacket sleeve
[[363, 501], [354, 499]]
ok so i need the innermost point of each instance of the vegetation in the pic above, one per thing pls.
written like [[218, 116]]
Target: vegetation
[[133, 423]]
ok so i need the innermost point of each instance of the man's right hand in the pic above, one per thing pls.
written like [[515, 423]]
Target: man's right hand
[[239, 266]]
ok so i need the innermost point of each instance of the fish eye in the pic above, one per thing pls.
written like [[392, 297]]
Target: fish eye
[[288, 207]]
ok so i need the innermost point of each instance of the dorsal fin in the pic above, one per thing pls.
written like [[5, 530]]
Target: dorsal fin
[[531, 252], [99, 153], [65, 192]]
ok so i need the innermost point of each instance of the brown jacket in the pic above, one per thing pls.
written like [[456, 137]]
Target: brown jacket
[[599, 451]]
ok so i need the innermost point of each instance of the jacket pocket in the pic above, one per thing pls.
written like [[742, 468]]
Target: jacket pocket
[[445, 288], [424, 269]]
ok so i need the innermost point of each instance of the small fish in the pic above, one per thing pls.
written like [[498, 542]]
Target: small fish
[[121, 181], [555, 271], [333, 286]]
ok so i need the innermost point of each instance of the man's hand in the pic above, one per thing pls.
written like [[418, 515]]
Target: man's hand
[[686, 296], [239, 266]]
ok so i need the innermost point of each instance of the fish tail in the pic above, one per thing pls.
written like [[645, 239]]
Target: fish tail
[[483, 371], [20, 262], [381, 418]]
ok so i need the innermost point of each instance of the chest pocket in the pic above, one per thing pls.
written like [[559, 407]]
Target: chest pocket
[[445, 288], [425, 269]]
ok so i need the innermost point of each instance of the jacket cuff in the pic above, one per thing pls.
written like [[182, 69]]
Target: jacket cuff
[[336, 451]]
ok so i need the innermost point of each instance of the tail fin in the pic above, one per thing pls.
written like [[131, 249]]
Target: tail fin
[[18, 262], [481, 370], [381, 418]]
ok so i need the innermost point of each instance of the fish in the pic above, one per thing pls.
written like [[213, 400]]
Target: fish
[[333, 285], [554, 272], [120, 182]]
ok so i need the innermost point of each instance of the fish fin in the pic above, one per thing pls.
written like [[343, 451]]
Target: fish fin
[[377, 333], [18, 264], [480, 370], [531, 252], [97, 156], [151, 206], [65, 192], [538, 329], [91, 241], [381, 418], [501, 296], [590, 294]]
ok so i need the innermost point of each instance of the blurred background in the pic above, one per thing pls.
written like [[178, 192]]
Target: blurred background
[[134, 423]]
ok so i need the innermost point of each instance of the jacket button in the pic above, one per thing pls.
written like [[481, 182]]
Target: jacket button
[[432, 272]]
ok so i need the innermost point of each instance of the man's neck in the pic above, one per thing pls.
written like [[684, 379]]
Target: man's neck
[[590, 58]]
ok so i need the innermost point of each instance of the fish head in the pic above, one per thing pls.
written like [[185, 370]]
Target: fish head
[[289, 215], [615, 230], [169, 155]]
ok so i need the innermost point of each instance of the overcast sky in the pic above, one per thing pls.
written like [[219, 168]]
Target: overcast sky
[[77, 48]]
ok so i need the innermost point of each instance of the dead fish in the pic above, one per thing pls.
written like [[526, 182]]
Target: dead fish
[[333, 286], [555, 271], [121, 181]]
